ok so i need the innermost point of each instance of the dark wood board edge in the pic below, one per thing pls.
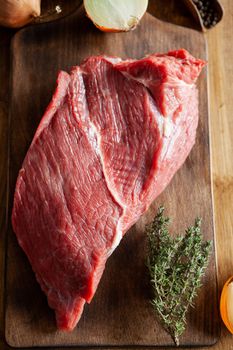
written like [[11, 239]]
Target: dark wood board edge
[[8, 207]]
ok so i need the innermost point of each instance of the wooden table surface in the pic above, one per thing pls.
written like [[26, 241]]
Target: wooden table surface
[[220, 48]]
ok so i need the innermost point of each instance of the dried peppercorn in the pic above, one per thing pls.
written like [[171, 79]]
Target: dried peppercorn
[[210, 16]]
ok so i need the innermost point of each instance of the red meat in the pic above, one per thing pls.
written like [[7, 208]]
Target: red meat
[[110, 141]]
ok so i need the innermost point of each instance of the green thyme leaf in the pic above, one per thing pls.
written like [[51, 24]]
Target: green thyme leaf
[[176, 266]]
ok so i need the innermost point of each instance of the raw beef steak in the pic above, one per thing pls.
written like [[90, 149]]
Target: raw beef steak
[[109, 142]]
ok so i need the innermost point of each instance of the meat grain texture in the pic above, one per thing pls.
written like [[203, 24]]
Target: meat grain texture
[[108, 144]]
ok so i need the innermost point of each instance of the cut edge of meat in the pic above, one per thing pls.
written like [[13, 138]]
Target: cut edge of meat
[[177, 68], [59, 94], [68, 313], [66, 321], [62, 83]]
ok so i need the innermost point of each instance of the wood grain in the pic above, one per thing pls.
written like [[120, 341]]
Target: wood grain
[[220, 50], [122, 297]]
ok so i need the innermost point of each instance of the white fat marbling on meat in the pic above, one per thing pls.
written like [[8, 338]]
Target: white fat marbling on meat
[[167, 127], [156, 115], [116, 241]]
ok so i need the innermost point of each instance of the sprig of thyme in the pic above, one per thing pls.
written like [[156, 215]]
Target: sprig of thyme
[[176, 266]]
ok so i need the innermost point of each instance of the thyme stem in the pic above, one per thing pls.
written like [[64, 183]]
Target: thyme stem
[[176, 266]]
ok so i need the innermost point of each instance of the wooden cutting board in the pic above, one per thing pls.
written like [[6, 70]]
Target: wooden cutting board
[[120, 313]]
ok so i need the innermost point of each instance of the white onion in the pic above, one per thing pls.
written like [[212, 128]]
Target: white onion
[[115, 15], [17, 13]]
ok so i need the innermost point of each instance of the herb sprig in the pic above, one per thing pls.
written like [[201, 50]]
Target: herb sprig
[[176, 266]]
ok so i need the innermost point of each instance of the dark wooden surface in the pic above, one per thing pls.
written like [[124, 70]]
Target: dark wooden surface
[[120, 313]]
